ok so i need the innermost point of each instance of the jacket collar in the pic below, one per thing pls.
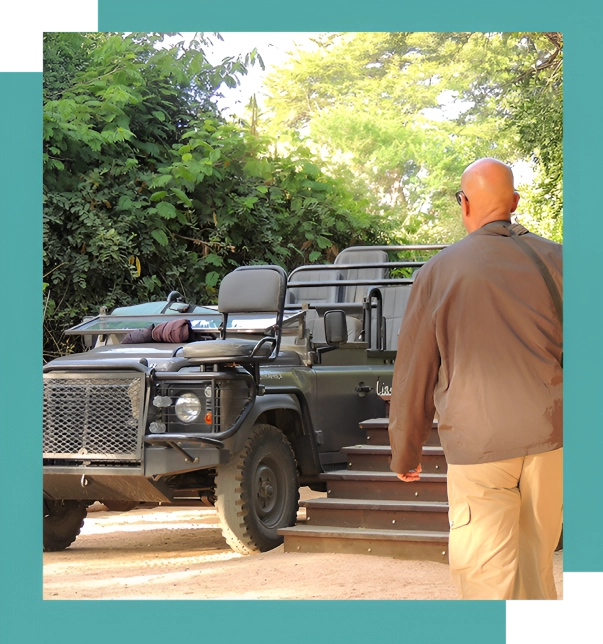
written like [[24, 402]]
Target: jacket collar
[[498, 227]]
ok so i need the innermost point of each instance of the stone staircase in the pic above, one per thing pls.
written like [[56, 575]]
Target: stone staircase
[[368, 510]]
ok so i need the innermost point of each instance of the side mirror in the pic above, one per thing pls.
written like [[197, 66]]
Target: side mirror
[[336, 328]]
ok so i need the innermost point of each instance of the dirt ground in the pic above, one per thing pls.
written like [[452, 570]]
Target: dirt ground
[[179, 553]]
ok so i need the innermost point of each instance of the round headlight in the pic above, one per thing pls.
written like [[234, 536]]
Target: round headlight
[[188, 408], [208, 392]]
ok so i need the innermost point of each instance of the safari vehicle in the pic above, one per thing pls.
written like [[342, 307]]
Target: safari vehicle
[[261, 399]]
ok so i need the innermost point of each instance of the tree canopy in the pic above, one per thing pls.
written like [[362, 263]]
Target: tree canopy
[[407, 112]]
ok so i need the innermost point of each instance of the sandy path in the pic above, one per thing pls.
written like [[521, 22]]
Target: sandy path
[[179, 553]]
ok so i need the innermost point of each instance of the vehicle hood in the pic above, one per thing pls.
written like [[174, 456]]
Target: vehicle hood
[[158, 356]]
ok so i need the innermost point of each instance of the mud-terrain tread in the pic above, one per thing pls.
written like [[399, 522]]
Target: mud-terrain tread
[[60, 532], [233, 488]]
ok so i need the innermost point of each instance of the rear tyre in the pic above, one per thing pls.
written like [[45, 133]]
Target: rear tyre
[[258, 492], [63, 521]]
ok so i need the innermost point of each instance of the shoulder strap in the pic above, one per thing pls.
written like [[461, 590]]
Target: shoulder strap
[[516, 231]]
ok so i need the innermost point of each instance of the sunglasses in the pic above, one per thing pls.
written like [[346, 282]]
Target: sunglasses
[[458, 197]]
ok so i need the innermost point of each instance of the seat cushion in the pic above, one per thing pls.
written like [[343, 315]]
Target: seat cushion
[[225, 350]]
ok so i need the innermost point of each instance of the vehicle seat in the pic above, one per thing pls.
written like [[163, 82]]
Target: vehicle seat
[[394, 301], [248, 289], [394, 306], [314, 294], [354, 293]]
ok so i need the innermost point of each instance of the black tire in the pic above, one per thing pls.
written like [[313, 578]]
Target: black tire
[[120, 506], [63, 521], [258, 492]]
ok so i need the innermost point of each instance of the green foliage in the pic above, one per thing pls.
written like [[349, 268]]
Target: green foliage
[[147, 188], [536, 109], [405, 113]]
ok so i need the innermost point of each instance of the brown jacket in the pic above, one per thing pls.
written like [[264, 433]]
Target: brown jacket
[[480, 344]]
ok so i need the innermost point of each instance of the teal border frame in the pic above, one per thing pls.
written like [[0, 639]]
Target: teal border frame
[[24, 615]]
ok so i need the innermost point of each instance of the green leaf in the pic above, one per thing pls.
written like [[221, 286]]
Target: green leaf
[[214, 155], [323, 242], [311, 169], [314, 255], [156, 196], [214, 259], [187, 157], [125, 204], [249, 202], [160, 236], [166, 210], [184, 173], [159, 115], [182, 196], [211, 279], [160, 181]]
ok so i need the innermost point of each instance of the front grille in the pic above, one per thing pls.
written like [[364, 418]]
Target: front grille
[[93, 417]]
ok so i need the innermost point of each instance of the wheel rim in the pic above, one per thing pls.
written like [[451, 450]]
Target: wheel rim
[[269, 492]]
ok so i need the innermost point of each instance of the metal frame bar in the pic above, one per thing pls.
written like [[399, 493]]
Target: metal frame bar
[[395, 248], [339, 267], [215, 438], [358, 282]]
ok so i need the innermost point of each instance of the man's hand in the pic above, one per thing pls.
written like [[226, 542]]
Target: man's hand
[[411, 476]]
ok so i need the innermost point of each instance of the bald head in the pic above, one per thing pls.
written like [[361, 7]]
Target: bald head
[[490, 195]]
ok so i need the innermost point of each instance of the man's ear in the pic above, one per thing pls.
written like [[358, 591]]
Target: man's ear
[[465, 214], [516, 198]]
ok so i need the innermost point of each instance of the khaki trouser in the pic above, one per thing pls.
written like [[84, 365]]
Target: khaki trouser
[[505, 523]]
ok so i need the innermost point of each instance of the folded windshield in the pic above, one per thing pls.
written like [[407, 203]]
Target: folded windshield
[[205, 320]]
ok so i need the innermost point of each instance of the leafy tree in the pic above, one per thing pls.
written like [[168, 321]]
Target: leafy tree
[[147, 188], [406, 112], [535, 106]]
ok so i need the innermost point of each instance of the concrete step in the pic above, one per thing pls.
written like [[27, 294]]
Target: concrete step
[[401, 544], [376, 514], [354, 484], [376, 458]]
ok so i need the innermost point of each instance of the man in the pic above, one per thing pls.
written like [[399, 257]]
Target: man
[[481, 345]]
